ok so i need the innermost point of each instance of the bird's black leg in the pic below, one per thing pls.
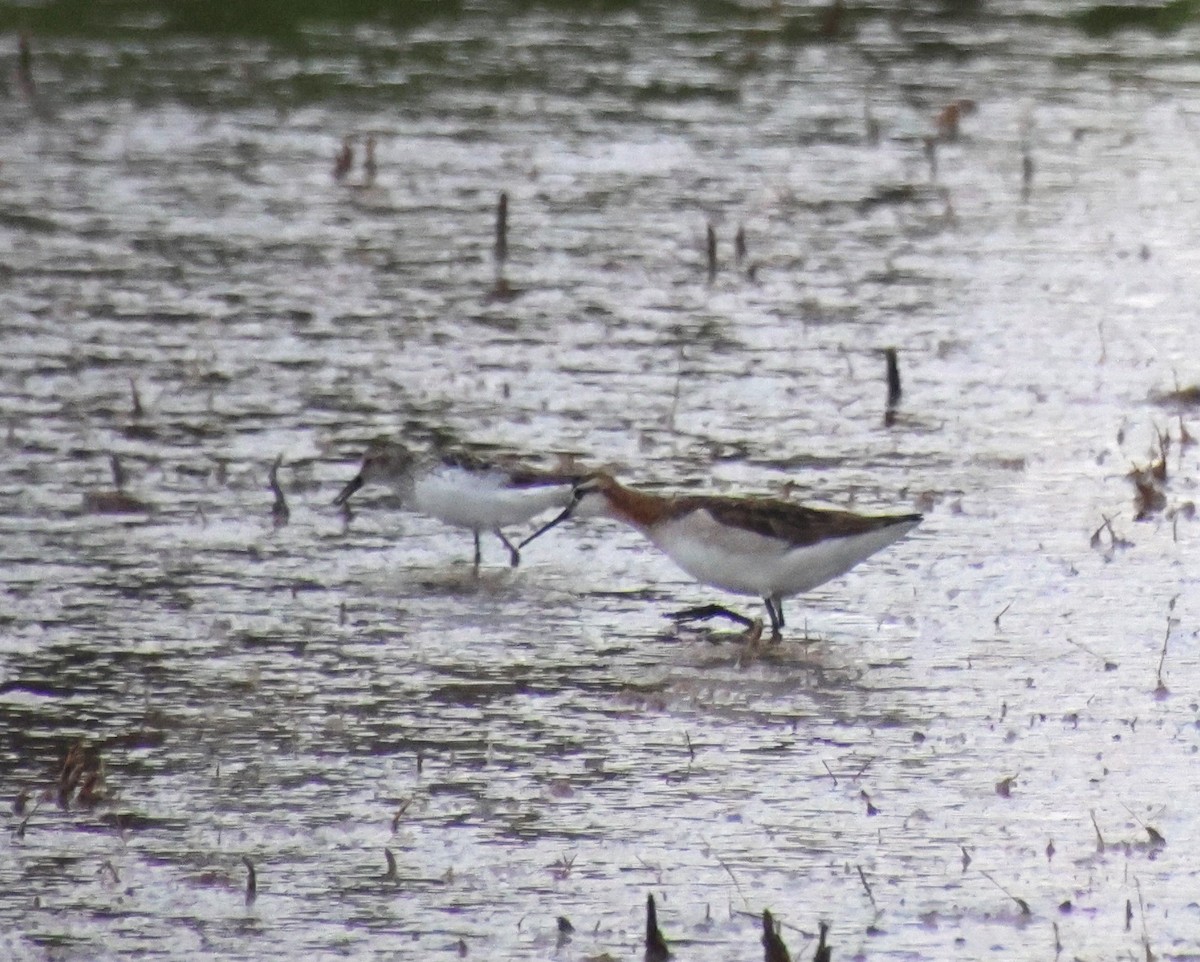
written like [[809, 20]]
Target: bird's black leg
[[704, 612], [514, 556], [478, 552], [775, 612]]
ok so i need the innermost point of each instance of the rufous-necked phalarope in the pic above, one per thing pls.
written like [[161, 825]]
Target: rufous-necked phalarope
[[462, 490], [749, 546]]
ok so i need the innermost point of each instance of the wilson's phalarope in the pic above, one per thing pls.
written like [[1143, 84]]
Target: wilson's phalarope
[[462, 490], [749, 546]]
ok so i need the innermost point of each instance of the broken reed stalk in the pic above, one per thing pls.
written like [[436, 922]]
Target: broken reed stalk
[[251, 881], [774, 949], [343, 161], [564, 933], [893, 385], [1142, 910], [118, 472], [824, 952], [1021, 903], [893, 377], [501, 249], [1099, 837], [862, 877], [728, 871], [656, 945], [279, 510], [1161, 689], [403, 807]]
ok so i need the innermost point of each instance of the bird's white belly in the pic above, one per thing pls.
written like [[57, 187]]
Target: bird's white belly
[[482, 502], [746, 563]]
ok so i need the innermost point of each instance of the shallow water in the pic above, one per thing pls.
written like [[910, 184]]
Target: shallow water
[[980, 718]]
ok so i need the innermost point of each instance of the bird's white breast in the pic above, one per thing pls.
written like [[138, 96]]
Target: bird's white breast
[[482, 500], [747, 563]]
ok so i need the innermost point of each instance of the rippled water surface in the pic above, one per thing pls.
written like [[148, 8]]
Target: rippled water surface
[[979, 744]]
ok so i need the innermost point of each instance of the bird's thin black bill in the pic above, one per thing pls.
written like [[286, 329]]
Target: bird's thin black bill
[[566, 513], [355, 483]]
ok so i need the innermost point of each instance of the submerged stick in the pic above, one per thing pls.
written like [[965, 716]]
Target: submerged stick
[[862, 877], [251, 881], [1161, 690], [565, 931], [893, 377], [656, 945], [774, 949], [118, 472], [343, 161], [894, 390], [279, 510], [501, 249], [1021, 903], [824, 952]]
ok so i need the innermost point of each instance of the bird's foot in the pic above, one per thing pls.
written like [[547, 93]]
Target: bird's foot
[[706, 612]]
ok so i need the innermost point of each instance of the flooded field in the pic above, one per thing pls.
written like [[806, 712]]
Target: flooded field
[[981, 743]]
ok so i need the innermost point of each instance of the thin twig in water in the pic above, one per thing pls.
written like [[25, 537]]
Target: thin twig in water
[[1108, 665], [1162, 688], [1021, 903], [501, 247], [656, 869], [1155, 836], [1099, 837], [1142, 910], [728, 871], [895, 392], [251, 881], [400, 814], [279, 510], [862, 877]]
